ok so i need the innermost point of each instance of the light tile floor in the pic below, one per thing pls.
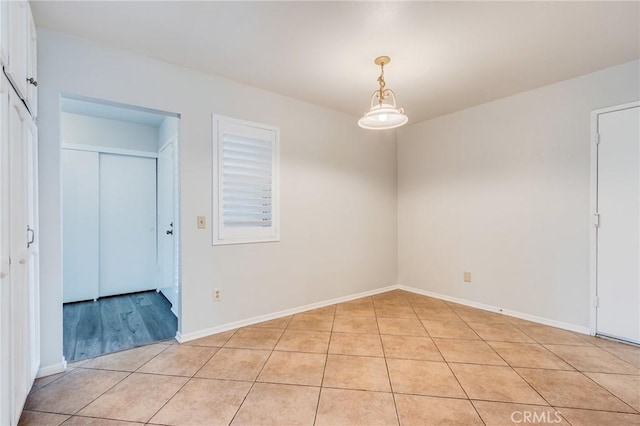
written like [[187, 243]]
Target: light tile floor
[[394, 358]]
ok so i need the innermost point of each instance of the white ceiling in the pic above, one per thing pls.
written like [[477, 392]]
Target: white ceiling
[[446, 56]]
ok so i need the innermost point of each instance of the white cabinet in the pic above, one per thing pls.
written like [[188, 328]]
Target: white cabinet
[[5, 269], [19, 259], [19, 299], [20, 42]]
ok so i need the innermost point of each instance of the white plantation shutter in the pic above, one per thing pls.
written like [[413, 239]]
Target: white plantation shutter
[[247, 182]]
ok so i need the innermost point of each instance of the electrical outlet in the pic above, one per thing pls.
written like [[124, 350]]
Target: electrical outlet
[[202, 222], [467, 277], [217, 294]]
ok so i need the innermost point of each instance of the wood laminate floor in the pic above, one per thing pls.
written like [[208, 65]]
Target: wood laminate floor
[[115, 323]]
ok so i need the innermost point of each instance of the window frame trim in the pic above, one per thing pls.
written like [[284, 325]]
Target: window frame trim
[[216, 202]]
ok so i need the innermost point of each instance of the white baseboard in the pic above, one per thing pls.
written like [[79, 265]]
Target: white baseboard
[[498, 310], [50, 370], [491, 308], [250, 321]]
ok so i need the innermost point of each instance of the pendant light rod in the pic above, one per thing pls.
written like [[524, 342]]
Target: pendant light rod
[[382, 61]]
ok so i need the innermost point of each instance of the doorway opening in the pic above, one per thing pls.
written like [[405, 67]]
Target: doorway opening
[[120, 226]]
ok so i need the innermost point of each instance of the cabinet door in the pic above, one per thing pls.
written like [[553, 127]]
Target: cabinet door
[[33, 244], [5, 275], [80, 239], [18, 252], [4, 32], [23, 294], [16, 69], [32, 65]]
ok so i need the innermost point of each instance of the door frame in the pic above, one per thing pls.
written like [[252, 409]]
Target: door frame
[[177, 169], [173, 141], [593, 210]]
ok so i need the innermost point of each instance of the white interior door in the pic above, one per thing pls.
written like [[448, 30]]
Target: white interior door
[[618, 234], [80, 231], [128, 246], [166, 233]]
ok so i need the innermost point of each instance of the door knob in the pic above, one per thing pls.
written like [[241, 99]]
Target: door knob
[[170, 232], [33, 81]]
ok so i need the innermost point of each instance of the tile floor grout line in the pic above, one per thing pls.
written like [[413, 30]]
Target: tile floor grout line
[[544, 348], [563, 416], [453, 373], [169, 399], [614, 355], [152, 358], [62, 374], [130, 373], [99, 418], [518, 374], [324, 369], [524, 330], [386, 365], [610, 393], [578, 369], [189, 378], [95, 399], [258, 375], [599, 410]]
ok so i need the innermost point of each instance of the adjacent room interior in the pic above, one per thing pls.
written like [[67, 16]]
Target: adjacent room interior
[[320, 213], [118, 228]]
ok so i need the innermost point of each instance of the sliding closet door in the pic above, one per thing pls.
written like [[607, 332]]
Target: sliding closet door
[[128, 251], [80, 234]]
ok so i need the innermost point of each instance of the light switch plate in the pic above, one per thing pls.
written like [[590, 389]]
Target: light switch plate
[[467, 277], [202, 222]]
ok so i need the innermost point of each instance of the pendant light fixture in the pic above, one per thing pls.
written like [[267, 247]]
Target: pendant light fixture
[[384, 113]]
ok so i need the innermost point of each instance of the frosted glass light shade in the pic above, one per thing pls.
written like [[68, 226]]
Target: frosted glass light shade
[[383, 116]]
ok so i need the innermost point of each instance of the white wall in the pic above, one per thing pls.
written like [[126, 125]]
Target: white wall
[[502, 190], [338, 189], [87, 130]]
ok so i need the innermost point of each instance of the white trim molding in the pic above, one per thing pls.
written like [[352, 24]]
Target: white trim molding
[[182, 338], [50, 370], [268, 317], [498, 310], [109, 150]]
